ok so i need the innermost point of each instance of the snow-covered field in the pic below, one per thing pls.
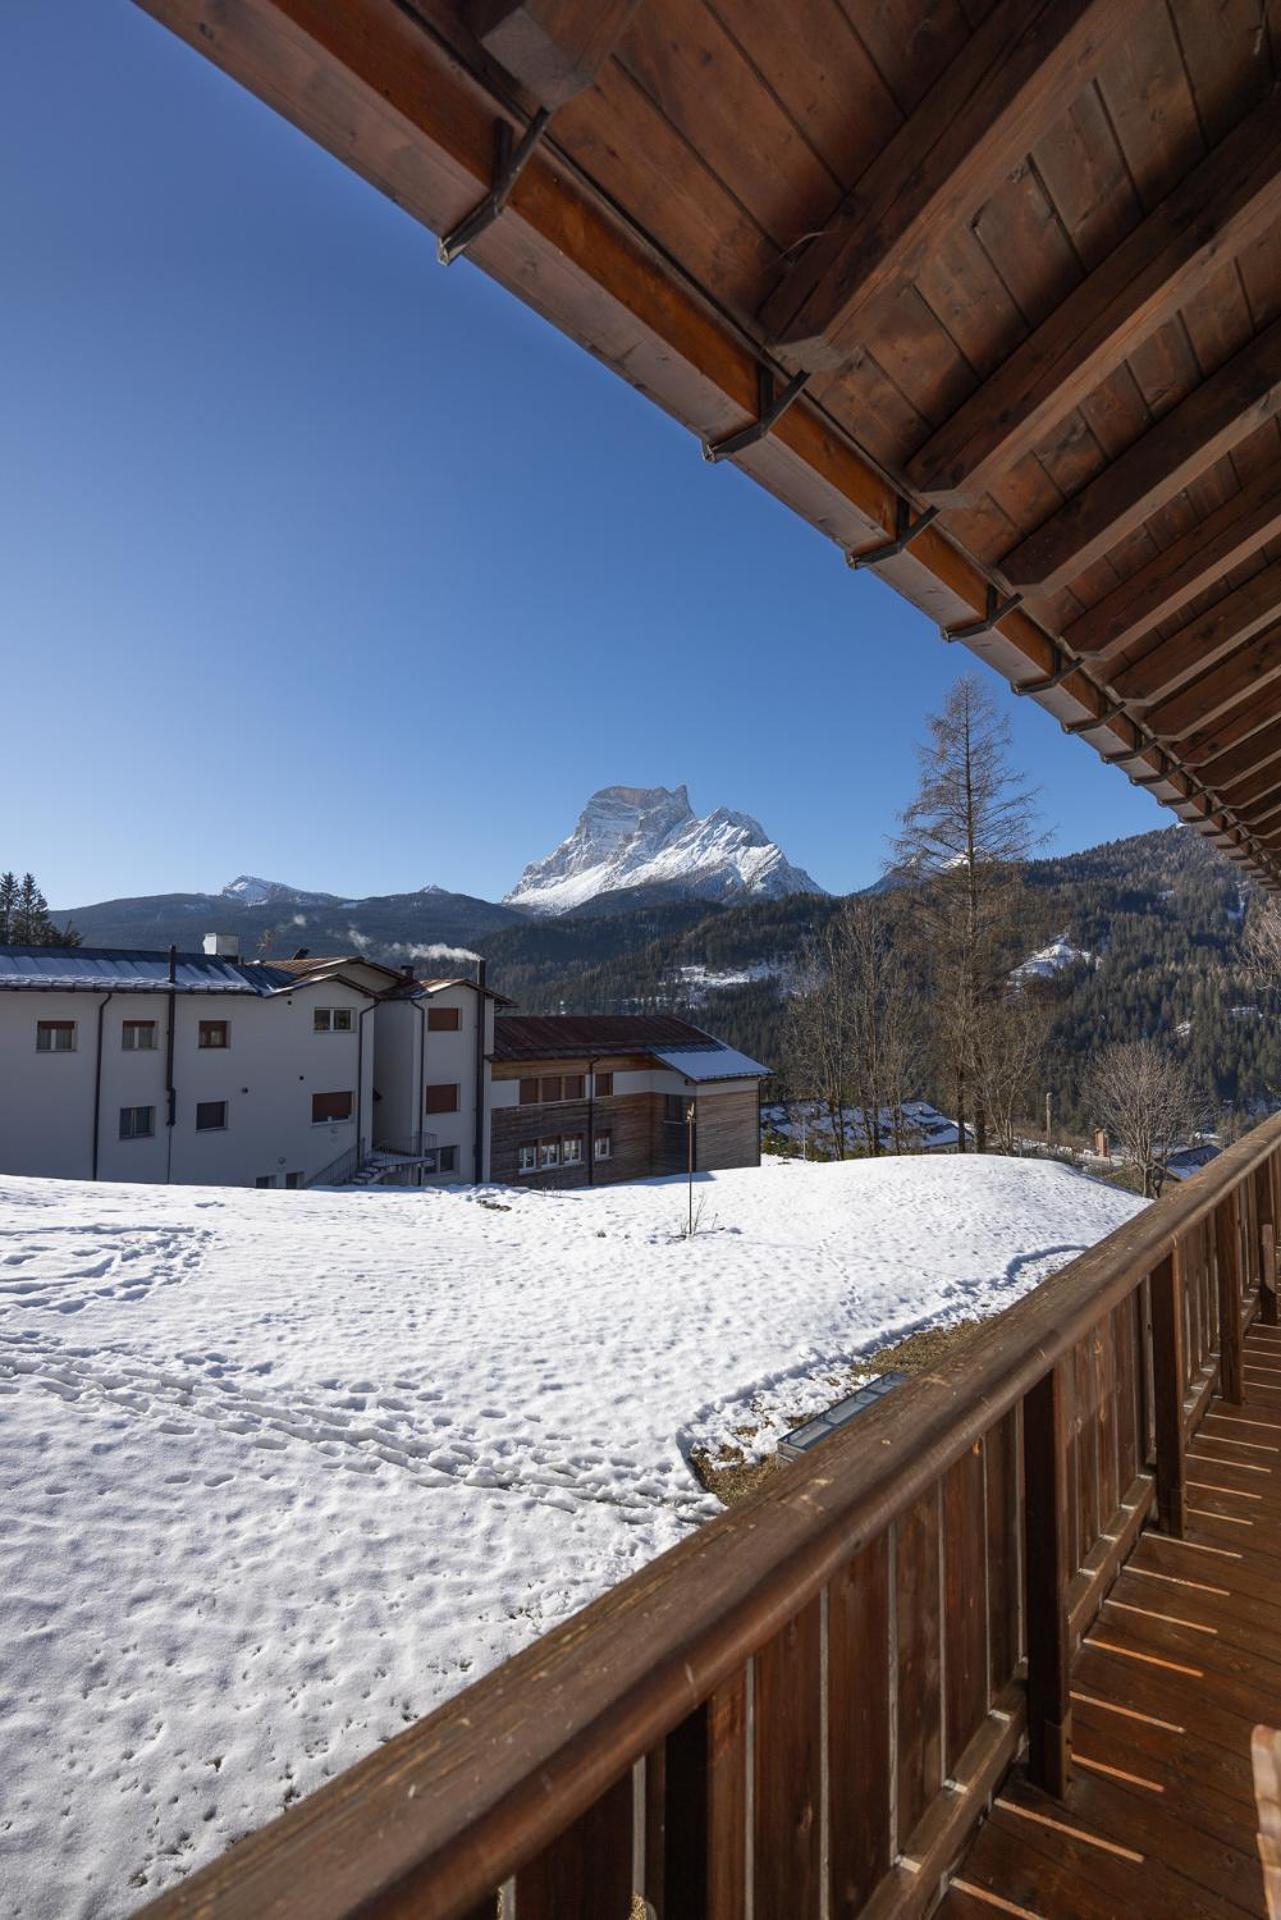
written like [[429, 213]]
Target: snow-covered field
[[282, 1471]]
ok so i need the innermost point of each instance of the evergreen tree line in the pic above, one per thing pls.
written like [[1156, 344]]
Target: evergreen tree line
[[24, 916]]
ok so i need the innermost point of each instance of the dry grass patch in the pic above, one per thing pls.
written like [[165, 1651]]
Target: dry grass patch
[[732, 1476]]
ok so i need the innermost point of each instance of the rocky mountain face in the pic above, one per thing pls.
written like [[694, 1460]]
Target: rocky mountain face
[[630, 837], [250, 891]]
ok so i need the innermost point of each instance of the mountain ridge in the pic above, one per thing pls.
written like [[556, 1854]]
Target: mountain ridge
[[630, 837]]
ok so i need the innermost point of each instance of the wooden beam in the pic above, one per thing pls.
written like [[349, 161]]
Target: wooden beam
[[555, 48], [1237, 678], [1203, 641], [1221, 208], [1181, 572], [1258, 786], [1203, 748], [1017, 73], [1215, 417]]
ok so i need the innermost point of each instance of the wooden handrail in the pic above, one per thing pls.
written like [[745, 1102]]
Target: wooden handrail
[[432, 1822]]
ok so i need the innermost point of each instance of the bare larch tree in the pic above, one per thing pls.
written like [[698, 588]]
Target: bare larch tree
[[961, 843], [1147, 1101]]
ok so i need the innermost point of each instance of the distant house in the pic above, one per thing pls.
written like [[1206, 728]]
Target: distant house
[[579, 1100], [203, 1068]]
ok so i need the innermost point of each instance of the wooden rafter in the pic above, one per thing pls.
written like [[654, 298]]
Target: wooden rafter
[[1245, 721], [1202, 642], [1022, 66], [1180, 573], [1238, 760], [1215, 417], [1223, 206], [1236, 680]]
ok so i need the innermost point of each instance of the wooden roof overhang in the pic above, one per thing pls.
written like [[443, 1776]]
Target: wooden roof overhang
[[989, 293]]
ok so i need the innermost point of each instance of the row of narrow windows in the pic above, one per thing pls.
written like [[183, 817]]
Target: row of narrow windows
[[143, 1036], [537, 1156]]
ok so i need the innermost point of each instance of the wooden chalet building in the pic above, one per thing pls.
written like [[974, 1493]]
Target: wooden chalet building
[[582, 1099], [989, 292]]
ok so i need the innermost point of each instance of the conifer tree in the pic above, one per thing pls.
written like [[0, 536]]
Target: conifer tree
[[24, 916]]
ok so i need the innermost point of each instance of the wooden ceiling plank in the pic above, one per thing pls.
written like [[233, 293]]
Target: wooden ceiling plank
[[1261, 787], [1239, 762], [1208, 744], [1218, 414], [1021, 68], [555, 48], [1223, 205], [1173, 578], [1238, 616], [1239, 677]]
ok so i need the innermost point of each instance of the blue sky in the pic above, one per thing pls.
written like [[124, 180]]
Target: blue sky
[[321, 562]]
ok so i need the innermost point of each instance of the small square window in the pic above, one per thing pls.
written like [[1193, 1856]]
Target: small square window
[[527, 1158], [137, 1123], [575, 1086], [448, 1160], [603, 1146], [442, 1098], [55, 1036], [321, 1018], [604, 1085], [529, 1093], [549, 1087], [214, 1033], [571, 1150], [138, 1036], [443, 1019], [343, 1018], [549, 1153], [330, 1106], [210, 1115]]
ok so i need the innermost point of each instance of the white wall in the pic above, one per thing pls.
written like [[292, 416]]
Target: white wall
[[267, 1075], [410, 1057]]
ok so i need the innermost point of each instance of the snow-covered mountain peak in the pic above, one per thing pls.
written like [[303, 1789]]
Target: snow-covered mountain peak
[[251, 891], [651, 836]]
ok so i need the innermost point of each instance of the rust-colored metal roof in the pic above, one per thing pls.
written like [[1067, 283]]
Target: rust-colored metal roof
[[990, 293], [552, 1036]]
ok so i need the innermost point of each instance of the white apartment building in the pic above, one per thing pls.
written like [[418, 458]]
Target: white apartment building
[[207, 1069]]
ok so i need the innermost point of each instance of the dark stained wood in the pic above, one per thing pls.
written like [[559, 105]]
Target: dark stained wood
[[1202, 641], [685, 1820], [727, 1825], [1222, 206], [1020, 66], [1227, 1256], [553, 47], [1046, 1579], [1177, 574], [586, 1873], [1253, 665], [917, 1602], [1170, 1373], [859, 1707], [787, 1743], [1266, 1207], [1222, 411], [965, 1606]]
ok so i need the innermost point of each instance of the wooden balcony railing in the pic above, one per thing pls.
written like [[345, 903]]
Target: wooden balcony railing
[[803, 1709]]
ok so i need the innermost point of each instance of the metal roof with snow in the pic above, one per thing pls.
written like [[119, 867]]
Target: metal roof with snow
[[127, 970], [550, 1036], [710, 1063]]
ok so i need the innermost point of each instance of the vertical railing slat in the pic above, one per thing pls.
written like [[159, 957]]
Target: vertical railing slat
[[1169, 1373], [586, 1873], [1047, 1571], [1004, 1522], [860, 1749], [1265, 1207], [1228, 1272], [787, 1814], [965, 1605], [916, 1606]]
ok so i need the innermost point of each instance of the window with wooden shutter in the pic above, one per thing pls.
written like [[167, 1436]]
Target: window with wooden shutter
[[529, 1093], [443, 1019], [549, 1087], [211, 1115], [575, 1086], [331, 1106], [604, 1085], [442, 1097]]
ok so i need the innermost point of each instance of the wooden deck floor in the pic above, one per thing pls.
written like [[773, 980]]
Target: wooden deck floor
[[1183, 1661]]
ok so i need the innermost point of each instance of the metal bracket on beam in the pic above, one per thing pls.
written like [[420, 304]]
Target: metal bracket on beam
[[1152, 779], [1049, 680], [771, 406], [994, 612], [1092, 721], [905, 531], [509, 164]]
